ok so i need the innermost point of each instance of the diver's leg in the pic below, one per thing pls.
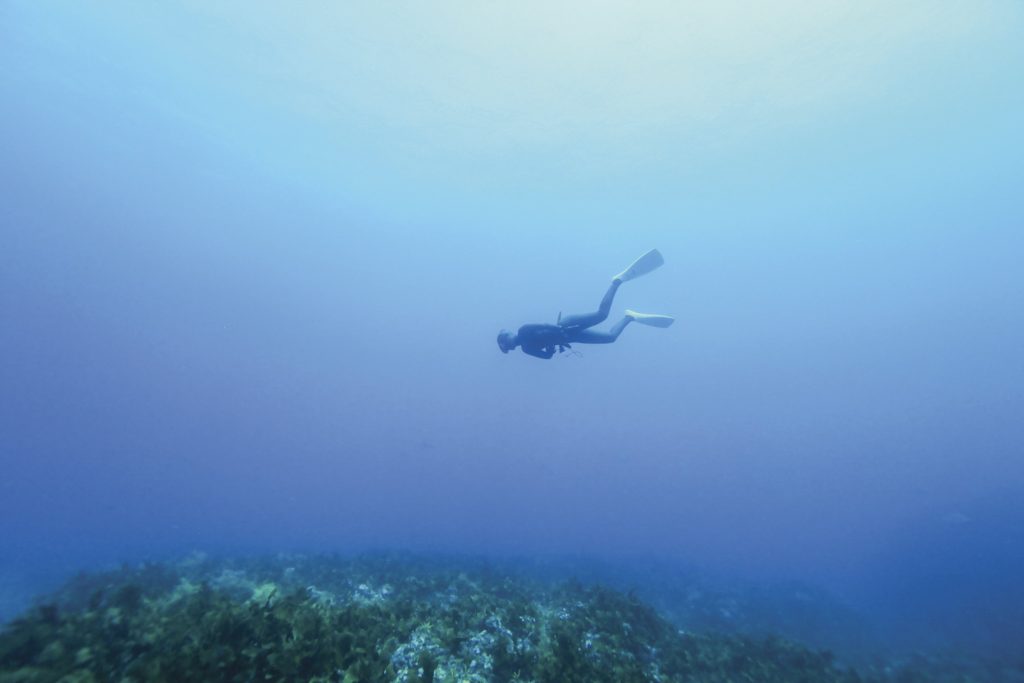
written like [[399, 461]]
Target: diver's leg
[[595, 337], [585, 320]]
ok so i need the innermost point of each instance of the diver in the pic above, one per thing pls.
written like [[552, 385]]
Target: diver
[[541, 340]]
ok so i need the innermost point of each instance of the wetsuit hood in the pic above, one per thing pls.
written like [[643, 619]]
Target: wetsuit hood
[[506, 341]]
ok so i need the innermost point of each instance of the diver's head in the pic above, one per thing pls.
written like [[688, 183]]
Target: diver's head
[[506, 341]]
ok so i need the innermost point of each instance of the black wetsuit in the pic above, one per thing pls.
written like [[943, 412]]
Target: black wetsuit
[[541, 340]]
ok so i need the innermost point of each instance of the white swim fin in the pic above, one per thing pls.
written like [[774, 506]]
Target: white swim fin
[[641, 266], [652, 319]]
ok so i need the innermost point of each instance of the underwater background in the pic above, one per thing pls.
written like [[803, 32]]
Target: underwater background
[[254, 258]]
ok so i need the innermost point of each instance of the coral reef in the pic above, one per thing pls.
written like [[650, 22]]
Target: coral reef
[[369, 619]]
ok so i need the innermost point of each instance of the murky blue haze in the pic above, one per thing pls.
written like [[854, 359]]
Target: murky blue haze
[[253, 262]]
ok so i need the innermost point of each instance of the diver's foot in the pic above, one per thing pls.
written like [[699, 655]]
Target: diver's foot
[[652, 319], [641, 266]]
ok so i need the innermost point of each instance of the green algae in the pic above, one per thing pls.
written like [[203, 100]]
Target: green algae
[[367, 620]]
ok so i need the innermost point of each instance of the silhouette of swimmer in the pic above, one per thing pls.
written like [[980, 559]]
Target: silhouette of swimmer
[[542, 340]]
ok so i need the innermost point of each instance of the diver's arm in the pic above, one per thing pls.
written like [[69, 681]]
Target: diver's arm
[[539, 340], [544, 353]]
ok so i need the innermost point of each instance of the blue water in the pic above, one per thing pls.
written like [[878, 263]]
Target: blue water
[[253, 262]]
